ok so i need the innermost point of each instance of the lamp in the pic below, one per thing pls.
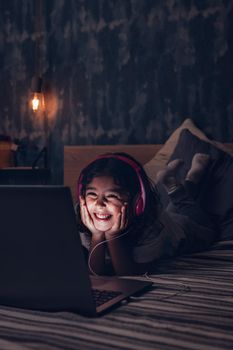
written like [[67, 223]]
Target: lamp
[[42, 102], [37, 96]]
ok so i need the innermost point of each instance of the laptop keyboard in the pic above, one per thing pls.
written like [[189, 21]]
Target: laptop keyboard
[[102, 296]]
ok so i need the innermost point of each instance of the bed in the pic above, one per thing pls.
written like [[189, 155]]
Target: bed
[[189, 307]]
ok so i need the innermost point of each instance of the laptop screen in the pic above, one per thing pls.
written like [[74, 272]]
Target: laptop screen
[[41, 259]]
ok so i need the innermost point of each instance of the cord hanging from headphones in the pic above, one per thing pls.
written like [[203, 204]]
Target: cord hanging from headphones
[[99, 244]]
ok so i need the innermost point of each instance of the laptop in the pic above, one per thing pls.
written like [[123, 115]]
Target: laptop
[[42, 264]]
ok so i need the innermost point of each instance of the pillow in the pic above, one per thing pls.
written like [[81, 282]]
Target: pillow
[[162, 156], [216, 195]]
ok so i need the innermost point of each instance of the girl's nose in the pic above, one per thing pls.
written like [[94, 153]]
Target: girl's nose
[[100, 201]]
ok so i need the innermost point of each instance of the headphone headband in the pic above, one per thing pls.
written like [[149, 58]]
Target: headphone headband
[[141, 200]]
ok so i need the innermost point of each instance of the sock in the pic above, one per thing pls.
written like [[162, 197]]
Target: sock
[[167, 176], [198, 167]]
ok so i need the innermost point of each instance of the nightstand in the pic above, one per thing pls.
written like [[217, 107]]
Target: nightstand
[[24, 176]]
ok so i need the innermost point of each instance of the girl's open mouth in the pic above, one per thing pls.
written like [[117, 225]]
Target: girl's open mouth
[[102, 216]]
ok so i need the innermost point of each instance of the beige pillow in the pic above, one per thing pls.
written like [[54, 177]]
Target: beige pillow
[[162, 156]]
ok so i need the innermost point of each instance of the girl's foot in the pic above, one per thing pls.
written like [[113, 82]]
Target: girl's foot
[[167, 176], [198, 166]]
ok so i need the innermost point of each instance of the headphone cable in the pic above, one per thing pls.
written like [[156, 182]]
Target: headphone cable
[[99, 244]]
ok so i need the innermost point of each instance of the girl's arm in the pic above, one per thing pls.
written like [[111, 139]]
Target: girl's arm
[[121, 256], [119, 248]]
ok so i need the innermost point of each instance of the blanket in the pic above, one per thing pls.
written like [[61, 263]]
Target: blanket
[[189, 307]]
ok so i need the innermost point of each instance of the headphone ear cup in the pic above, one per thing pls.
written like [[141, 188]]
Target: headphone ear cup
[[79, 187], [77, 208], [139, 206]]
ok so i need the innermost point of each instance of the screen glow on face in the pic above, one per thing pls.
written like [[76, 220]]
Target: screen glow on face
[[104, 200]]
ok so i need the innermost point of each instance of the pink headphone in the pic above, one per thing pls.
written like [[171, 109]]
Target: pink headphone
[[141, 200]]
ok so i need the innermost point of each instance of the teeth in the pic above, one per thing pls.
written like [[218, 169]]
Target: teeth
[[102, 216]]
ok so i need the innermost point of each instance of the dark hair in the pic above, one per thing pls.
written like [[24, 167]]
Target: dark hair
[[126, 177]]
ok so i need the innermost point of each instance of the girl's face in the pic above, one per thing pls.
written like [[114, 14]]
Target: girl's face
[[104, 201]]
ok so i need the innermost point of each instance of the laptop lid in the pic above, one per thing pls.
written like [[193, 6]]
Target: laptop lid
[[42, 265]]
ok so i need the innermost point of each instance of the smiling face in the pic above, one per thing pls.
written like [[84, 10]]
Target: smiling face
[[104, 200]]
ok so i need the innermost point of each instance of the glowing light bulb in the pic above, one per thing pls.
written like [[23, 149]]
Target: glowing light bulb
[[37, 96], [35, 101]]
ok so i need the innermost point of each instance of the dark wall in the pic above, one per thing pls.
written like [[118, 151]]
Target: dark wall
[[116, 71]]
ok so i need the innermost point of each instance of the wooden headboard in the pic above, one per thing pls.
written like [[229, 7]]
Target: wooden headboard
[[77, 157]]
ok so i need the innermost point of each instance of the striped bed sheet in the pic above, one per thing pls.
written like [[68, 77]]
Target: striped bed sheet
[[189, 307]]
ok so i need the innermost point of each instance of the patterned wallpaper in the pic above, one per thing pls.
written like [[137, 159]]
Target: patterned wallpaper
[[115, 71]]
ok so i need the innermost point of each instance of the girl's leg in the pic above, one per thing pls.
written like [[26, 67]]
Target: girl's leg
[[185, 204], [183, 195], [200, 236], [168, 176]]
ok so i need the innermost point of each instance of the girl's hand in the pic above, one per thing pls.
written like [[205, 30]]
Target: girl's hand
[[86, 218], [120, 224]]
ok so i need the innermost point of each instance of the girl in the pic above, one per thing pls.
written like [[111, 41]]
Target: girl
[[121, 221]]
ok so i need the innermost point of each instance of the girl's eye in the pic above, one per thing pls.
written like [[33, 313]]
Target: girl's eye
[[91, 194], [114, 196]]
